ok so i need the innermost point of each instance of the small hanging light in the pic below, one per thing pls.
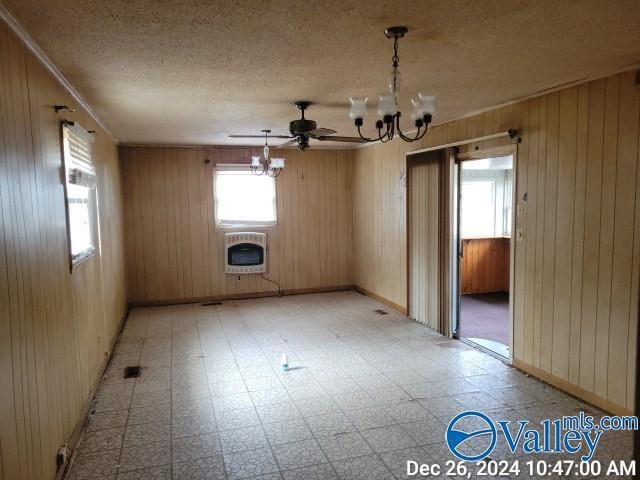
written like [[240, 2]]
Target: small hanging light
[[266, 165]]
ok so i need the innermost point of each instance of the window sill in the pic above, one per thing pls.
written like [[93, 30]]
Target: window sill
[[82, 258], [240, 228]]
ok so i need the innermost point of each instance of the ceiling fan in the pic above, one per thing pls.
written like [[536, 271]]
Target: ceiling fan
[[303, 130]]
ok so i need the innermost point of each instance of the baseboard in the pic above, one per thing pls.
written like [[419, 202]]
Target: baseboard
[[375, 296], [72, 443], [237, 296], [589, 397]]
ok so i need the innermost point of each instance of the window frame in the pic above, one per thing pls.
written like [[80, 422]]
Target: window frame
[[244, 224], [83, 176]]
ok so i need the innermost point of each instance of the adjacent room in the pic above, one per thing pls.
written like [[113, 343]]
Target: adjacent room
[[486, 191], [319, 241]]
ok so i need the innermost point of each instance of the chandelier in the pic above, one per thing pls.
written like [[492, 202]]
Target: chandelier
[[424, 106], [266, 165]]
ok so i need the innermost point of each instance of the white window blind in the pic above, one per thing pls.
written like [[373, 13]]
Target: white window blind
[[78, 146]]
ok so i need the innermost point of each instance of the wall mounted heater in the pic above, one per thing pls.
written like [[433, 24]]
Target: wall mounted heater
[[246, 252]]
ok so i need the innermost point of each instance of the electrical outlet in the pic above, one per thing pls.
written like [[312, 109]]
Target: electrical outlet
[[63, 455]]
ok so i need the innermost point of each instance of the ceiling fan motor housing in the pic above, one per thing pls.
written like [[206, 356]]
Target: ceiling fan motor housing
[[303, 142], [302, 126]]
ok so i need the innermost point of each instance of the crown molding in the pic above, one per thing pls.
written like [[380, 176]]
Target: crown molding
[[19, 30]]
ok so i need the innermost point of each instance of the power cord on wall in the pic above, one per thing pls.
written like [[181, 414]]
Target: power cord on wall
[[280, 294]]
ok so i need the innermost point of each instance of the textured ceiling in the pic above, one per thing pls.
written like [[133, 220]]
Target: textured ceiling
[[192, 72]]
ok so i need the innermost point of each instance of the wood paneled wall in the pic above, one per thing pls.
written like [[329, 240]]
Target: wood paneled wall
[[55, 328], [485, 265], [577, 269], [175, 253]]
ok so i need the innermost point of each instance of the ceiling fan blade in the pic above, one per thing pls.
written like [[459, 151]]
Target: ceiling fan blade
[[336, 138], [320, 132], [290, 142], [260, 136]]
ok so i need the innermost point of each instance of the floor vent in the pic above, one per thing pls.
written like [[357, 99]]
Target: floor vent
[[210, 304], [380, 312], [131, 372]]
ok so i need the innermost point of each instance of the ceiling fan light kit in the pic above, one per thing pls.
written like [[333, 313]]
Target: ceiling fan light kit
[[266, 165], [424, 106]]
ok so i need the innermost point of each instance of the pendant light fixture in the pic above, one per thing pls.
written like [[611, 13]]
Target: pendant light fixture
[[388, 126], [266, 165]]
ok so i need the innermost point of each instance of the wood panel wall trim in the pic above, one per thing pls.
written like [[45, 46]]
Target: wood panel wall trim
[[240, 296], [375, 296], [571, 389]]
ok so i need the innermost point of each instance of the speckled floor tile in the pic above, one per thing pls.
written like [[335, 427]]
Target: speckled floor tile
[[363, 468], [95, 464], [330, 424], [298, 454], [287, 432], [347, 445], [241, 465], [200, 446], [387, 438], [314, 472], [240, 439], [135, 457], [111, 419], [98, 440], [206, 468], [189, 426], [162, 472]]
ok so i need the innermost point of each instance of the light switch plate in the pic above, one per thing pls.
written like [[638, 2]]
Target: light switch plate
[[519, 234]]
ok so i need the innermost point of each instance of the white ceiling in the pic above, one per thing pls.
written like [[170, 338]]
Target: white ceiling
[[192, 72]]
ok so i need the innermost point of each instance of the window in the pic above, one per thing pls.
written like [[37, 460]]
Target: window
[[80, 182], [478, 209], [243, 199]]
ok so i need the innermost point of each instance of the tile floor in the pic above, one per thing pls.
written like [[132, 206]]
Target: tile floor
[[365, 392]]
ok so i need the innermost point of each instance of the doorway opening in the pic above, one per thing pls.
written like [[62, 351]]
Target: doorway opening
[[484, 227]]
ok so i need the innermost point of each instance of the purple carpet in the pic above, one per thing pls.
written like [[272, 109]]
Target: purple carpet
[[485, 315]]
